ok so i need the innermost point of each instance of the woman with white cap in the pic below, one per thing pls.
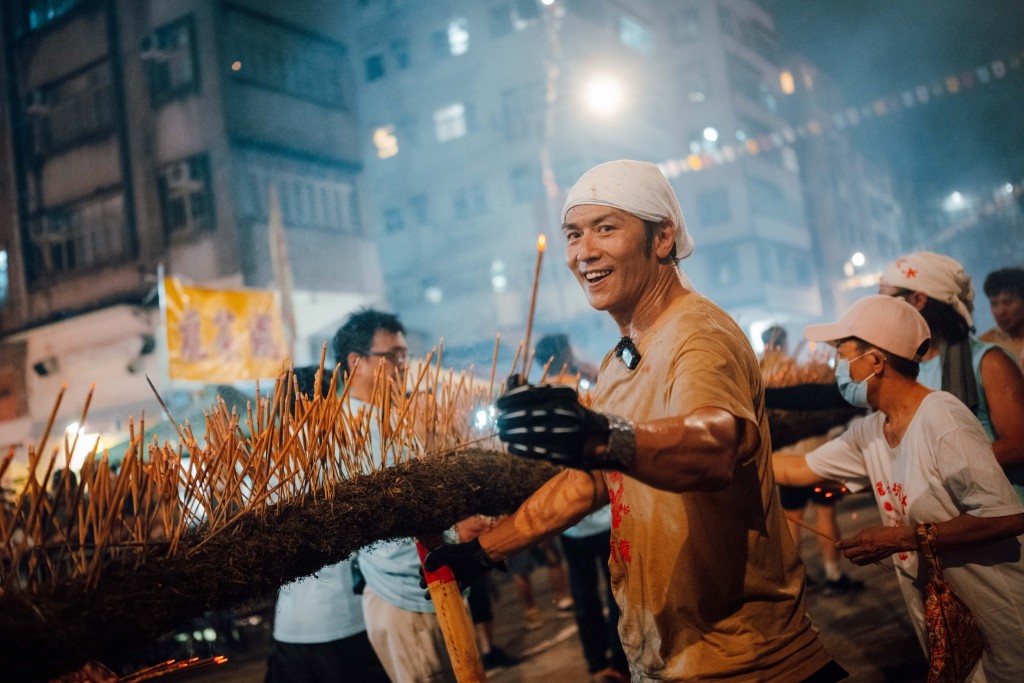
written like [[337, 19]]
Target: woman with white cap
[[982, 375], [927, 461]]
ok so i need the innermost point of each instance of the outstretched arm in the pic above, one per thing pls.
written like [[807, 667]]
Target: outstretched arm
[[557, 505], [965, 531], [564, 500], [697, 451]]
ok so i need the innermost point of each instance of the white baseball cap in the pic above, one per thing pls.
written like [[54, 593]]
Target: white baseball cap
[[889, 323]]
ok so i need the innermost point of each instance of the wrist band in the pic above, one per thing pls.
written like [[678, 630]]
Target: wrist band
[[621, 449]]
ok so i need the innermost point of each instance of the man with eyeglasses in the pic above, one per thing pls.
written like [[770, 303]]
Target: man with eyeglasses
[[402, 626], [703, 568]]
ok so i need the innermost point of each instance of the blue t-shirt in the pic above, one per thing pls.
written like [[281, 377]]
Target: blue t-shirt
[[392, 568], [319, 608], [931, 377], [598, 521]]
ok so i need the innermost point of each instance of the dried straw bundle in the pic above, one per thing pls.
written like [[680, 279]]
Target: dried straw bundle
[[94, 571], [804, 375]]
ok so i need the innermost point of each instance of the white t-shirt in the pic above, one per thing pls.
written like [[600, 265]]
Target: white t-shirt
[[942, 468]]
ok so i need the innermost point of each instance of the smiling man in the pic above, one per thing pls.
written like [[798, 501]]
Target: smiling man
[[703, 567]]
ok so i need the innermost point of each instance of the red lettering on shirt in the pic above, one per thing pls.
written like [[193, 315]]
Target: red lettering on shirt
[[615, 488]]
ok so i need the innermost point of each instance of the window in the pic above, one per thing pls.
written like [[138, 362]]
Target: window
[[767, 199], [419, 206], [521, 109], [171, 61], [723, 266], [460, 203], [450, 122], [499, 20], [761, 39], [185, 196], [312, 198], [750, 83], [635, 35], [713, 207], [385, 141], [469, 201], [73, 111], [276, 57], [400, 53], [525, 181], [37, 14], [393, 221], [458, 37], [784, 265], [695, 82], [79, 236], [374, 68]]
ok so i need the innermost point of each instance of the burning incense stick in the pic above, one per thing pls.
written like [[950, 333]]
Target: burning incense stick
[[541, 245]]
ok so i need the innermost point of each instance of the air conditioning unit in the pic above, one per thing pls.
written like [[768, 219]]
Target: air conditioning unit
[[179, 178], [38, 102], [152, 48]]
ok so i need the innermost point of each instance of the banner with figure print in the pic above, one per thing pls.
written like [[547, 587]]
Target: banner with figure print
[[222, 335]]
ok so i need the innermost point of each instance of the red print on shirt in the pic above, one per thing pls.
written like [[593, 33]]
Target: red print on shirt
[[891, 516], [621, 551], [614, 483]]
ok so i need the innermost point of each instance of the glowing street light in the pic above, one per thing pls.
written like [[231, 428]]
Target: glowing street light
[[711, 134], [858, 259], [954, 202], [603, 95]]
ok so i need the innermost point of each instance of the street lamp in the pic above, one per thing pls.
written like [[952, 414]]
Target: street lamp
[[857, 259], [603, 95]]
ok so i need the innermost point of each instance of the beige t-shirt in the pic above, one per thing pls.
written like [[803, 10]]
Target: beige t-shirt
[[709, 584]]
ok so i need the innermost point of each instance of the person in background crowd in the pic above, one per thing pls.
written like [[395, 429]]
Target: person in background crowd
[[795, 499], [984, 376], [403, 627], [318, 620], [708, 584], [928, 461], [1005, 291]]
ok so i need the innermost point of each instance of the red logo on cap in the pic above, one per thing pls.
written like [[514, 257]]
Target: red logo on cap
[[909, 273]]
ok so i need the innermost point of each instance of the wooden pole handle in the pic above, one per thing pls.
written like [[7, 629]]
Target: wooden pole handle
[[456, 625]]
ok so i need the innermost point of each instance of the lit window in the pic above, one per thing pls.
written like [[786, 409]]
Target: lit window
[[458, 36], [786, 83], [385, 141], [635, 35], [450, 122]]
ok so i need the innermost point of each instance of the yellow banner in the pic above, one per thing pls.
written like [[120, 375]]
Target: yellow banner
[[218, 335]]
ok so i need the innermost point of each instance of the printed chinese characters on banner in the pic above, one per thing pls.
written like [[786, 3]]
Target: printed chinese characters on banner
[[219, 335]]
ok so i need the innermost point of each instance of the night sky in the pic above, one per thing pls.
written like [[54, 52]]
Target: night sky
[[874, 48]]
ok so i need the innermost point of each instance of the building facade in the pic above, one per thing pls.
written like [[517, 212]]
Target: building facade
[[141, 133], [477, 117]]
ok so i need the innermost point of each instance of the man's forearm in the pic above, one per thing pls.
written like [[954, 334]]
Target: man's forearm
[[695, 452], [557, 505]]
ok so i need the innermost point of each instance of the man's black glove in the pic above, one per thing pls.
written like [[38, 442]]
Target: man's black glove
[[548, 423], [468, 562]]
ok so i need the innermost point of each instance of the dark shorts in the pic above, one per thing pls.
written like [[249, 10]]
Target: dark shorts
[[796, 497], [322, 662], [546, 554]]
